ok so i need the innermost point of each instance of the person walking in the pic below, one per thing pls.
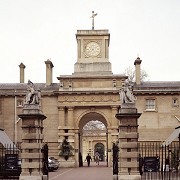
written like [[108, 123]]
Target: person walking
[[97, 157], [88, 159]]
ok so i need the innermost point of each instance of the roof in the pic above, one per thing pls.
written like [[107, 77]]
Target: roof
[[5, 140], [144, 87], [158, 87], [155, 84], [23, 86]]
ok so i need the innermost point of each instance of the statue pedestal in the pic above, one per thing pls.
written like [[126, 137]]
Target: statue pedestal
[[32, 142], [128, 142]]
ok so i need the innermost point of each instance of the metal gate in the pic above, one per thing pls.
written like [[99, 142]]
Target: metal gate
[[115, 158], [45, 159], [159, 163], [10, 163]]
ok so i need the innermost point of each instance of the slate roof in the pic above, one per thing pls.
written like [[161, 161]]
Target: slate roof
[[158, 87], [154, 84], [23, 86], [145, 87]]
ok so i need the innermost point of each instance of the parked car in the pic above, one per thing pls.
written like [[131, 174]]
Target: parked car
[[53, 164], [151, 164]]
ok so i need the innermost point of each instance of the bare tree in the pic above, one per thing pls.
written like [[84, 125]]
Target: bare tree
[[94, 127], [130, 72], [144, 75]]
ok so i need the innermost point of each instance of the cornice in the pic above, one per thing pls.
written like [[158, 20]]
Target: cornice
[[86, 92], [156, 92]]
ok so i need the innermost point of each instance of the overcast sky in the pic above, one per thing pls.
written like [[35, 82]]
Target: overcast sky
[[32, 31]]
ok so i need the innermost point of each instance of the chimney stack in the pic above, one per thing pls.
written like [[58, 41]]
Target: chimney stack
[[137, 64], [22, 67], [49, 66]]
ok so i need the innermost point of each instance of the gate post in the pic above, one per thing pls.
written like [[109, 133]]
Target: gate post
[[32, 135], [128, 142]]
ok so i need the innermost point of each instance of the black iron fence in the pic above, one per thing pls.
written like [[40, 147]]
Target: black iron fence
[[159, 162], [115, 158], [45, 151], [10, 162]]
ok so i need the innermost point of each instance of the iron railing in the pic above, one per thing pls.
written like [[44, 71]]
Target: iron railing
[[157, 162], [10, 163], [115, 158]]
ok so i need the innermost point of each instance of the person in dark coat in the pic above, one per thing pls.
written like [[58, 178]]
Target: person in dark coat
[[88, 159]]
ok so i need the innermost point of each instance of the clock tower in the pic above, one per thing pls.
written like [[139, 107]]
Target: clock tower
[[92, 52]]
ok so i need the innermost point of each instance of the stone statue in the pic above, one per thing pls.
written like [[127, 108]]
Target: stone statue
[[126, 94], [33, 96]]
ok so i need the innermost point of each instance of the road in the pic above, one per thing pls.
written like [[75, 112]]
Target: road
[[94, 172]]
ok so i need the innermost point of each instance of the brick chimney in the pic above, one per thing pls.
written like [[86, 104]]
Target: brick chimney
[[22, 67], [49, 66], [137, 64]]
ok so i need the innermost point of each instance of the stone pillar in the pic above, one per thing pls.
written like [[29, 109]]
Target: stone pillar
[[128, 142], [49, 76], [68, 132], [137, 64], [70, 122], [114, 125], [91, 147], [109, 148], [32, 142], [77, 148], [22, 67], [114, 110], [70, 126], [61, 117]]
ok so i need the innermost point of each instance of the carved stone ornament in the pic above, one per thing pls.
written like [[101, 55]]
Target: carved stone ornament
[[126, 93], [33, 95]]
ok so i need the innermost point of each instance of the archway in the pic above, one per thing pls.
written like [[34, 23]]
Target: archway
[[93, 133]]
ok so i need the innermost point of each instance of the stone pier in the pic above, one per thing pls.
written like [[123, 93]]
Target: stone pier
[[128, 142], [32, 142]]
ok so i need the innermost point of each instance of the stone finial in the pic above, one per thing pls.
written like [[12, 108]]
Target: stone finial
[[22, 67], [49, 67], [137, 64]]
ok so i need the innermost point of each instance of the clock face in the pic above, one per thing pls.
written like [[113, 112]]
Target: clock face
[[92, 49]]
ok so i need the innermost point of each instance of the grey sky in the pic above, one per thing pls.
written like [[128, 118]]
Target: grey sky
[[32, 31]]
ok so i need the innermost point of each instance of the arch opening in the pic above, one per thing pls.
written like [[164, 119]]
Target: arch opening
[[100, 148], [93, 137]]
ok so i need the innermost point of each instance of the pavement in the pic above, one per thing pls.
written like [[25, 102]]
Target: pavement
[[94, 172]]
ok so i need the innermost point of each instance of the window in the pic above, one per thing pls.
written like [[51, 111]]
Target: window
[[150, 104], [19, 103], [175, 102]]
